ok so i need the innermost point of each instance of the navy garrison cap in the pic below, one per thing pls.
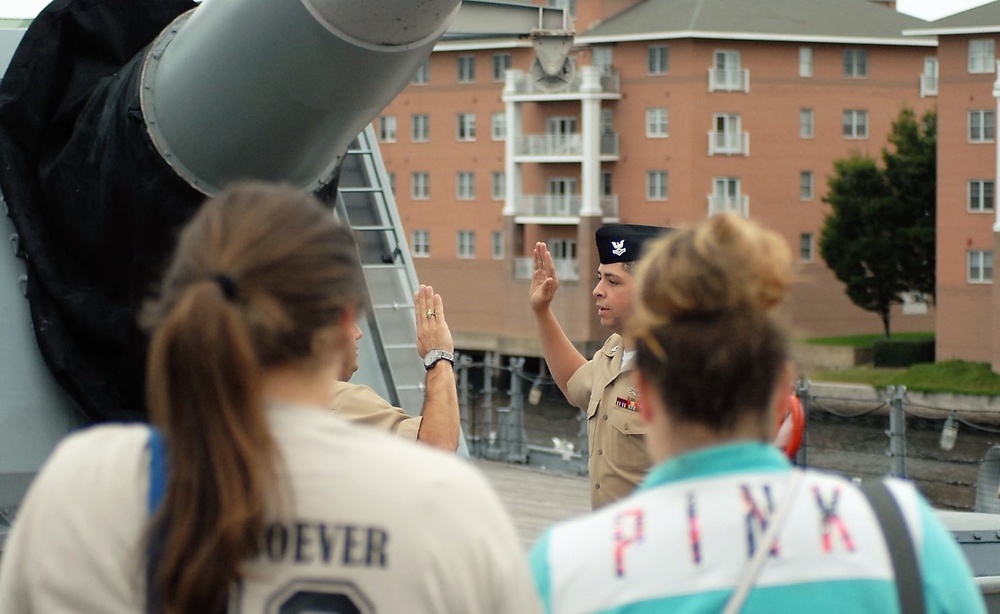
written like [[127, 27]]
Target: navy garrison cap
[[624, 242]]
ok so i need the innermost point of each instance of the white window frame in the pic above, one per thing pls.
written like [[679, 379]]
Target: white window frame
[[422, 76], [657, 59], [728, 75], [466, 68], [982, 55], [929, 78], [387, 128], [607, 121], [562, 249], [806, 62], [496, 238], [807, 247], [498, 185], [602, 57], [979, 266], [807, 124], [982, 126], [657, 185], [498, 126], [855, 63], [420, 185], [501, 62], [855, 124], [465, 127], [727, 135], [420, 243], [980, 196], [657, 123], [807, 186], [465, 185], [607, 185], [420, 128], [465, 244]]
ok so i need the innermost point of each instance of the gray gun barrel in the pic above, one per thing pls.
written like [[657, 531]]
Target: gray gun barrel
[[277, 89]]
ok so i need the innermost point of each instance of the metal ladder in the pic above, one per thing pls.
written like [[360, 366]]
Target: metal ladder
[[388, 360]]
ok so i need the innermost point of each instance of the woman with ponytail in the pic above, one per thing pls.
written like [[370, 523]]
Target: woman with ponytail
[[723, 522], [248, 495]]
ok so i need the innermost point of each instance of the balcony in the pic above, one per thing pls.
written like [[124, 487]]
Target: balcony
[[566, 269], [928, 85], [559, 209], [524, 86], [737, 204], [728, 143], [563, 146], [729, 80]]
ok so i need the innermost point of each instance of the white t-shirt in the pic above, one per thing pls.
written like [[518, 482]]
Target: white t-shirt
[[390, 525]]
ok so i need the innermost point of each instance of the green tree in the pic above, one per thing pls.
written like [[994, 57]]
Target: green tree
[[879, 236]]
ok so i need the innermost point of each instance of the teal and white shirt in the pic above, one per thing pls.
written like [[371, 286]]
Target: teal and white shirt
[[682, 541]]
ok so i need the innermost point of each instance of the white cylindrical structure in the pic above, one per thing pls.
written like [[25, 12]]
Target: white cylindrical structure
[[277, 89]]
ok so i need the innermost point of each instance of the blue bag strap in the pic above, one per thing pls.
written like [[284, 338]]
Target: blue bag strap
[[157, 469]]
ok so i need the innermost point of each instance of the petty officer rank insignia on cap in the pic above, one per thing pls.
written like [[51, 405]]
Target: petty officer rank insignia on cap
[[624, 242]]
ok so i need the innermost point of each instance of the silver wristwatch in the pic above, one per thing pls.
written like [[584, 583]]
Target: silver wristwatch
[[432, 356]]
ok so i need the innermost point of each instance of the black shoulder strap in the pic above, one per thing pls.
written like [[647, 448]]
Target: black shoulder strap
[[909, 586]]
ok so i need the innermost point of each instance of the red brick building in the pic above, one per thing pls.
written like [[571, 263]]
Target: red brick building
[[679, 109], [968, 321]]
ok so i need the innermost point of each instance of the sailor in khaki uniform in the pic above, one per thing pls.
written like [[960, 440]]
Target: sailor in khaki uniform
[[438, 423], [601, 386]]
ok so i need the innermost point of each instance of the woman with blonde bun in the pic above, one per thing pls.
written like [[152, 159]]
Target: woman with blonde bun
[[723, 522]]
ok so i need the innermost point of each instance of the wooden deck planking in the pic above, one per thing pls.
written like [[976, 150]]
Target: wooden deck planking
[[536, 499]]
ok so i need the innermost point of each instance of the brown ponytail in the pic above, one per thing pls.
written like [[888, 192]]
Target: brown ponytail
[[257, 273]]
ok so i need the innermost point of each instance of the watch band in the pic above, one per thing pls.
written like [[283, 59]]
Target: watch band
[[434, 356]]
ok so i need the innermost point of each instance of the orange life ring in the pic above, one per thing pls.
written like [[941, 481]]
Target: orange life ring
[[791, 426]]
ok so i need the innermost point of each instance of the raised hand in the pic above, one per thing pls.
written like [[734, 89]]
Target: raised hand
[[543, 280], [432, 329]]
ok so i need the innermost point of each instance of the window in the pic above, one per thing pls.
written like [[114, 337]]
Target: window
[[929, 78], [806, 180], [726, 74], [657, 185], [466, 243], [501, 62], [602, 57], [855, 124], [466, 68], [420, 185], [562, 249], [980, 195], [498, 126], [606, 185], [465, 129], [981, 126], [726, 138], [423, 74], [607, 121], [657, 122], [727, 196], [805, 61], [497, 245], [806, 128], [392, 182], [387, 128], [420, 243], [499, 185], [569, 5], [465, 185], [420, 128], [657, 59], [806, 247], [980, 266], [856, 63], [982, 55]]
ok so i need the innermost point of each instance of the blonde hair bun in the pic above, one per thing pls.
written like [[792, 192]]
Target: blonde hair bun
[[725, 263]]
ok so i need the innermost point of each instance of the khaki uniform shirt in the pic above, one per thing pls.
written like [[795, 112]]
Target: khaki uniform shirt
[[362, 405], [615, 431]]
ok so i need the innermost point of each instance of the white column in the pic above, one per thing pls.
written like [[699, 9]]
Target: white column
[[590, 173], [996, 179], [513, 119]]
